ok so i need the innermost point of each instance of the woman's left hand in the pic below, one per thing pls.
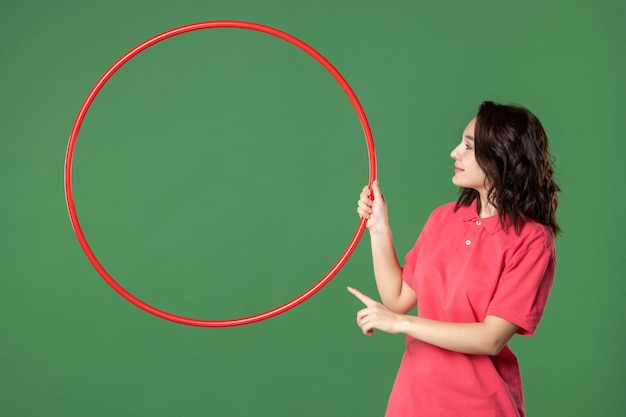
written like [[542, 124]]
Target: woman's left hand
[[376, 316]]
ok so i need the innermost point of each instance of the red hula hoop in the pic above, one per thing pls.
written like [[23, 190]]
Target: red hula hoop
[[94, 92]]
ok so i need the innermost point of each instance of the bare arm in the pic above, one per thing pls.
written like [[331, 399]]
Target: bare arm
[[394, 292], [484, 338]]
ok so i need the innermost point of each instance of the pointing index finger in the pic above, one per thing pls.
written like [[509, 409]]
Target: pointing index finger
[[364, 298]]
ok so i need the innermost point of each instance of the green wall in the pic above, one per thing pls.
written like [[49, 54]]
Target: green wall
[[216, 176]]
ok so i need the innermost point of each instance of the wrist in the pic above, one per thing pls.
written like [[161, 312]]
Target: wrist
[[381, 231], [404, 323]]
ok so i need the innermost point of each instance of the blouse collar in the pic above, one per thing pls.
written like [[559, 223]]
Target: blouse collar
[[491, 223]]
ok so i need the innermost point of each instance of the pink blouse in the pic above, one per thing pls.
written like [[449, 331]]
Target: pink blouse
[[462, 269]]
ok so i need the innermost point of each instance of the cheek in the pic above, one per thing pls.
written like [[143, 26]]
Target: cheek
[[479, 173]]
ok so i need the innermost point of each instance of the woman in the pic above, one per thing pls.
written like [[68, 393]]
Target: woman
[[480, 272]]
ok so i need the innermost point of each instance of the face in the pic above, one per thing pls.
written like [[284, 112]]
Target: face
[[467, 173]]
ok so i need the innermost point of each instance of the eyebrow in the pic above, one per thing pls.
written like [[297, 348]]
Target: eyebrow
[[469, 137]]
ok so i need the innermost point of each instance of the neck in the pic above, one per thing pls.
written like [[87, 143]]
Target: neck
[[486, 209]]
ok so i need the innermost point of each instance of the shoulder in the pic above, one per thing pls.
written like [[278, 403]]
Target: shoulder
[[532, 236], [449, 207], [449, 213], [536, 235], [446, 210], [444, 217]]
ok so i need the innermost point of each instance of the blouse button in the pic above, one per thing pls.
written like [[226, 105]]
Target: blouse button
[[468, 242], [478, 223]]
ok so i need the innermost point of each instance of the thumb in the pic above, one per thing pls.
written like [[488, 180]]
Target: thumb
[[378, 196]]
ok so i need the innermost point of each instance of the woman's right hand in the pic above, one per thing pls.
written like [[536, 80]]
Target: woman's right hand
[[374, 210]]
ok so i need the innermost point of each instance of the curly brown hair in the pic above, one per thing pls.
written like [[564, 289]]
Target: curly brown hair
[[512, 150]]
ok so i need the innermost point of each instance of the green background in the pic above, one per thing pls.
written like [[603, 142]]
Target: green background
[[216, 176]]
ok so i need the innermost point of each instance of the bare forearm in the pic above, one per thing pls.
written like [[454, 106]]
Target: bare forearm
[[387, 270], [483, 338], [396, 295]]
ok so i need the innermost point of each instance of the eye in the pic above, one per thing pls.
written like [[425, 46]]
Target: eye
[[468, 147]]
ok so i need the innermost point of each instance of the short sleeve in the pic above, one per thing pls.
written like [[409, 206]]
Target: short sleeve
[[523, 288]]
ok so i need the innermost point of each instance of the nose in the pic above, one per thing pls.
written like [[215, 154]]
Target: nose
[[455, 153]]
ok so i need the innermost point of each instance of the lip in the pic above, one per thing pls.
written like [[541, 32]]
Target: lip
[[457, 169]]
